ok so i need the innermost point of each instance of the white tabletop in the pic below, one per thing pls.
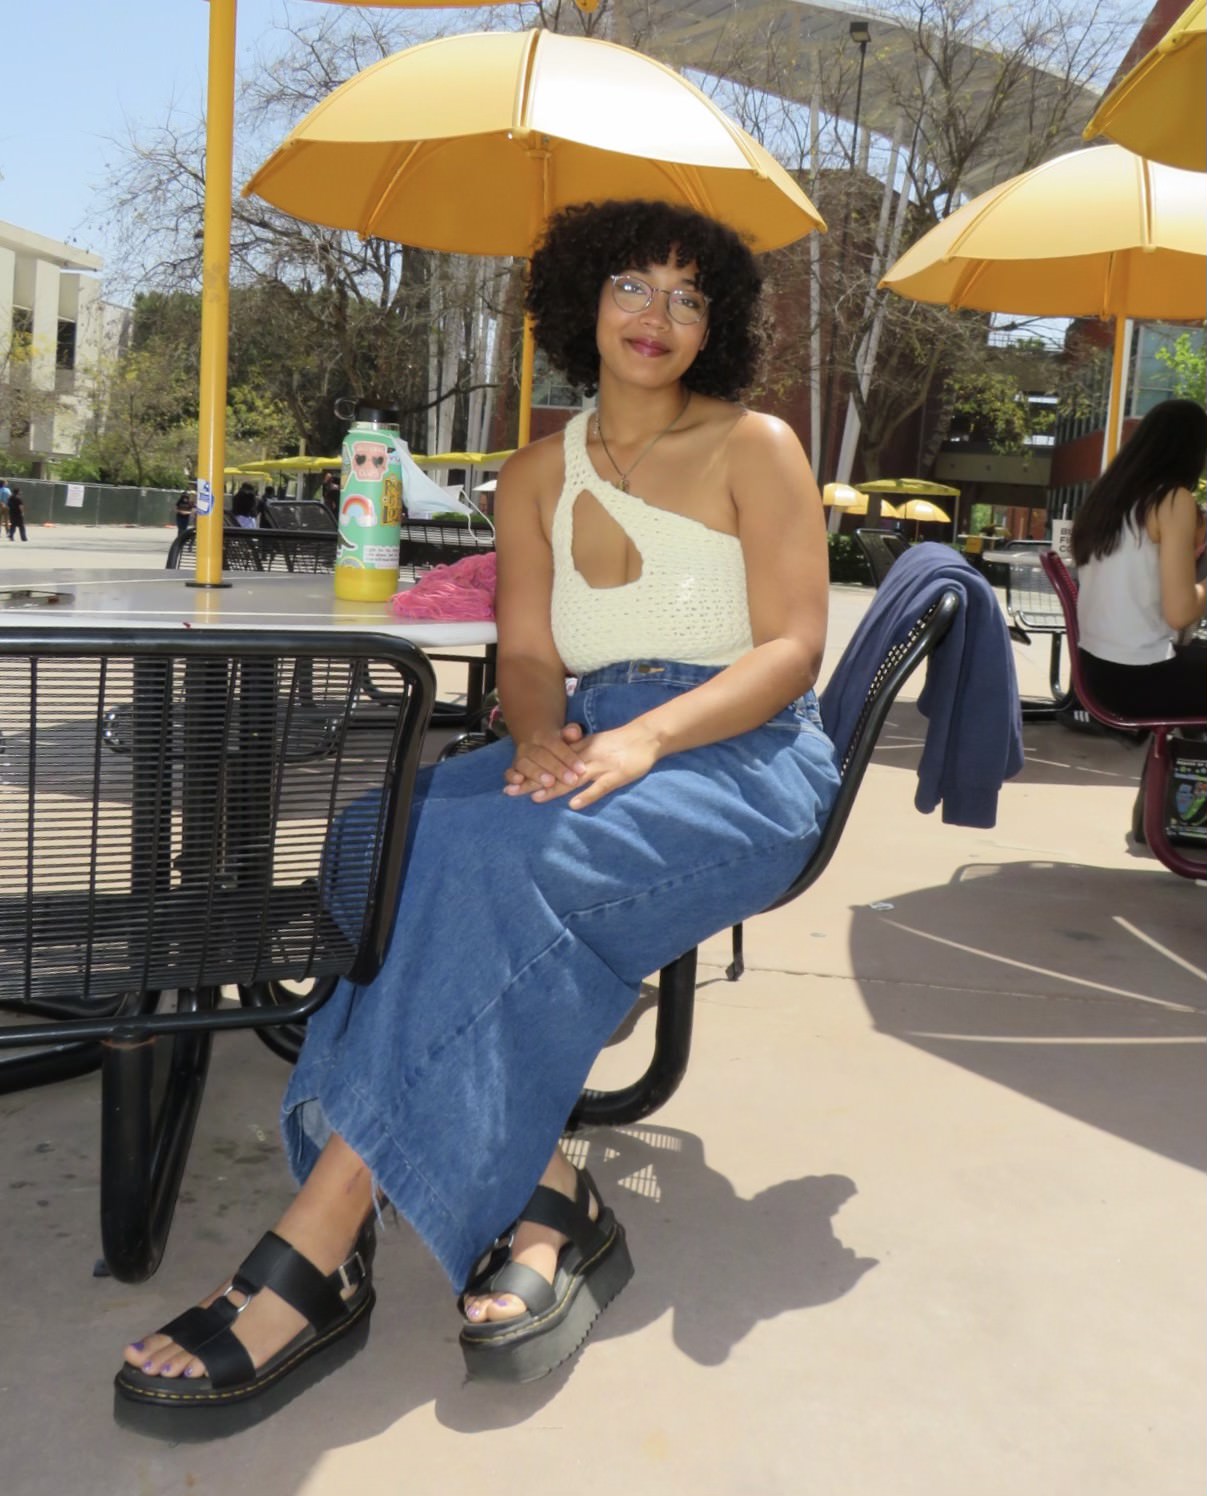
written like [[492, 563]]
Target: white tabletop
[[291, 600]]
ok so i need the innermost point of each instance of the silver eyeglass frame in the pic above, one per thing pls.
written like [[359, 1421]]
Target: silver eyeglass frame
[[658, 291]]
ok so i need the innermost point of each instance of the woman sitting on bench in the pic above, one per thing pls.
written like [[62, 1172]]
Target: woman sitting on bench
[[668, 549], [1134, 542]]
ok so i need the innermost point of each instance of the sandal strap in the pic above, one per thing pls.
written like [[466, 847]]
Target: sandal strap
[[527, 1284], [572, 1218], [273, 1263], [206, 1333]]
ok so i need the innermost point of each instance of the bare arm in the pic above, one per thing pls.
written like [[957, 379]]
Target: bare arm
[[1177, 520], [532, 678]]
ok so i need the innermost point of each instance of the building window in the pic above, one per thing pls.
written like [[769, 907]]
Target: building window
[[550, 388], [64, 354], [23, 329]]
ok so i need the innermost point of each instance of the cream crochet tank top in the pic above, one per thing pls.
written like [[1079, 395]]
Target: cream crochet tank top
[[689, 603]]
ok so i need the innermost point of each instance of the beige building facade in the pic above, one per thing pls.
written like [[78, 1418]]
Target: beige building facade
[[55, 332]]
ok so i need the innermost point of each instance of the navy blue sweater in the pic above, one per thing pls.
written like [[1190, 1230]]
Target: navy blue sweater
[[970, 700]]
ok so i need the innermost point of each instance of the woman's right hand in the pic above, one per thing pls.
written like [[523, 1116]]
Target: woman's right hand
[[544, 759]]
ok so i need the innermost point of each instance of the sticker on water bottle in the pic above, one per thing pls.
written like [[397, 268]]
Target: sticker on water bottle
[[205, 496]]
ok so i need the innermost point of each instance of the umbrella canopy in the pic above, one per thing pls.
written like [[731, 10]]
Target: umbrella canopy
[[1159, 109], [912, 487], [467, 144], [923, 511], [1095, 233], [853, 501]]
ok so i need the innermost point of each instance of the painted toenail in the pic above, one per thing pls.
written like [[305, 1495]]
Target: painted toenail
[[136, 1345], [189, 1372], [146, 1366]]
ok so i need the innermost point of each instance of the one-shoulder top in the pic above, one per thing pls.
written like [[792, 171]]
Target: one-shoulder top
[[689, 603]]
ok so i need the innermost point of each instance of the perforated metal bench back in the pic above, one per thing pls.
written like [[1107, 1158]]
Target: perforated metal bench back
[[166, 809]]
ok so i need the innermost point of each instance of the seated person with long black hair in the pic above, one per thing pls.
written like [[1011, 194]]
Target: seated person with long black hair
[[1134, 542]]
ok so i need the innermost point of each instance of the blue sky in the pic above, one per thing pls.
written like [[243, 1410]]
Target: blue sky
[[80, 73]]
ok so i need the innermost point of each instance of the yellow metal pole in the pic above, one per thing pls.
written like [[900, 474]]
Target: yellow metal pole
[[527, 358], [1114, 409], [215, 291]]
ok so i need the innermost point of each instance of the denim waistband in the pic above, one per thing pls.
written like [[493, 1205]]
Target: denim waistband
[[659, 672]]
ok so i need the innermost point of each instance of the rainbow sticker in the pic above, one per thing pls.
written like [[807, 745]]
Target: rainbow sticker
[[358, 510]]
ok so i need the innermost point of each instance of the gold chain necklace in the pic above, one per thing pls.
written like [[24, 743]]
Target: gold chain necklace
[[623, 485]]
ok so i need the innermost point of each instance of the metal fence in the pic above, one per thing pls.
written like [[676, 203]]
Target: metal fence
[[47, 501]]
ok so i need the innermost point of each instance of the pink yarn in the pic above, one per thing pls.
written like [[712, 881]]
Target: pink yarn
[[463, 592]]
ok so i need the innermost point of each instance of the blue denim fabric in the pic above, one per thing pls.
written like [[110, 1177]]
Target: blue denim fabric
[[523, 933]]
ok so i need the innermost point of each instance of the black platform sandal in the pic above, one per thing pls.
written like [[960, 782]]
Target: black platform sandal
[[234, 1395], [592, 1268]]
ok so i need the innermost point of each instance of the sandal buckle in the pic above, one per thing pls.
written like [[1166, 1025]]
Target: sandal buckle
[[237, 1309], [347, 1282]]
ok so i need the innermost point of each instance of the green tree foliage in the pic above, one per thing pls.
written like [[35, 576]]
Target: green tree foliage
[[1188, 361]]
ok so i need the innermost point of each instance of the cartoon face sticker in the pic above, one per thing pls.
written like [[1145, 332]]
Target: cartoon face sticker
[[369, 460], [391, 499]]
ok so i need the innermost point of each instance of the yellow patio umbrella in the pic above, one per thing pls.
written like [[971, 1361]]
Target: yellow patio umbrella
[[468, 144], [1159, 109], [1095, 233], [914, 488], [853, 500]]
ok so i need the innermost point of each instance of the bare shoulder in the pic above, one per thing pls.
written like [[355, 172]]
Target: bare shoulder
[[1174, 517], [533, 465]]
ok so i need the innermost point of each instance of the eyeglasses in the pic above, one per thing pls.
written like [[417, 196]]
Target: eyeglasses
[[683, 305]]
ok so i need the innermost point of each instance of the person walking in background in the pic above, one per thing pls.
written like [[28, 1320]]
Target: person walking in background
[[5, 495], [185, 505], [16, 514], [330, 492]]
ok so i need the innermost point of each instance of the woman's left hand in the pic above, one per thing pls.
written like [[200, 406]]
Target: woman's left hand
[[609, 760]]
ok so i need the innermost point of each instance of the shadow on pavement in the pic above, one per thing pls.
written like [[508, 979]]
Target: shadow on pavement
[[1080, 987], [719, 1264]]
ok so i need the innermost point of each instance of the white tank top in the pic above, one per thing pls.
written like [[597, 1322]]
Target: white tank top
[[1119, 614], [689, 603]]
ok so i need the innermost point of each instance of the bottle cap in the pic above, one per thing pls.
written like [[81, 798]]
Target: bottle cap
[[380, 415]]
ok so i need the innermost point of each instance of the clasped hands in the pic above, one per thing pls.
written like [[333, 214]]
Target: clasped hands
[[548, 765]]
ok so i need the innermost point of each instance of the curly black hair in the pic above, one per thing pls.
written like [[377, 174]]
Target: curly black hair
[[587, 242]]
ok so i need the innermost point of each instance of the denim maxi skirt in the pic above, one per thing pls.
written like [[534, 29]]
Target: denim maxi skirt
[[524, 931]]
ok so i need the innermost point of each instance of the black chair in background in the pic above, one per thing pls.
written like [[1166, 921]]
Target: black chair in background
[[880, 549], [299, 514], [166, 804], [302, 550], [1034, 611]]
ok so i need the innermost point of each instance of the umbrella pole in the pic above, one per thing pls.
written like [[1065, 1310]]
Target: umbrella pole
[[1114, 409], [215, 293], [527, 358]]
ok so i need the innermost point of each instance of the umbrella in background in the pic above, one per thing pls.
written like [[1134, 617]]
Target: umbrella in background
[[852, 501], [1095, 233], [923, 512], [468, 144], [913, 488], [1159, 109]]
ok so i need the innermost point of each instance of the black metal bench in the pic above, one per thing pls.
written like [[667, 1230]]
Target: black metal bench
[[184, 858], [274, 550]]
